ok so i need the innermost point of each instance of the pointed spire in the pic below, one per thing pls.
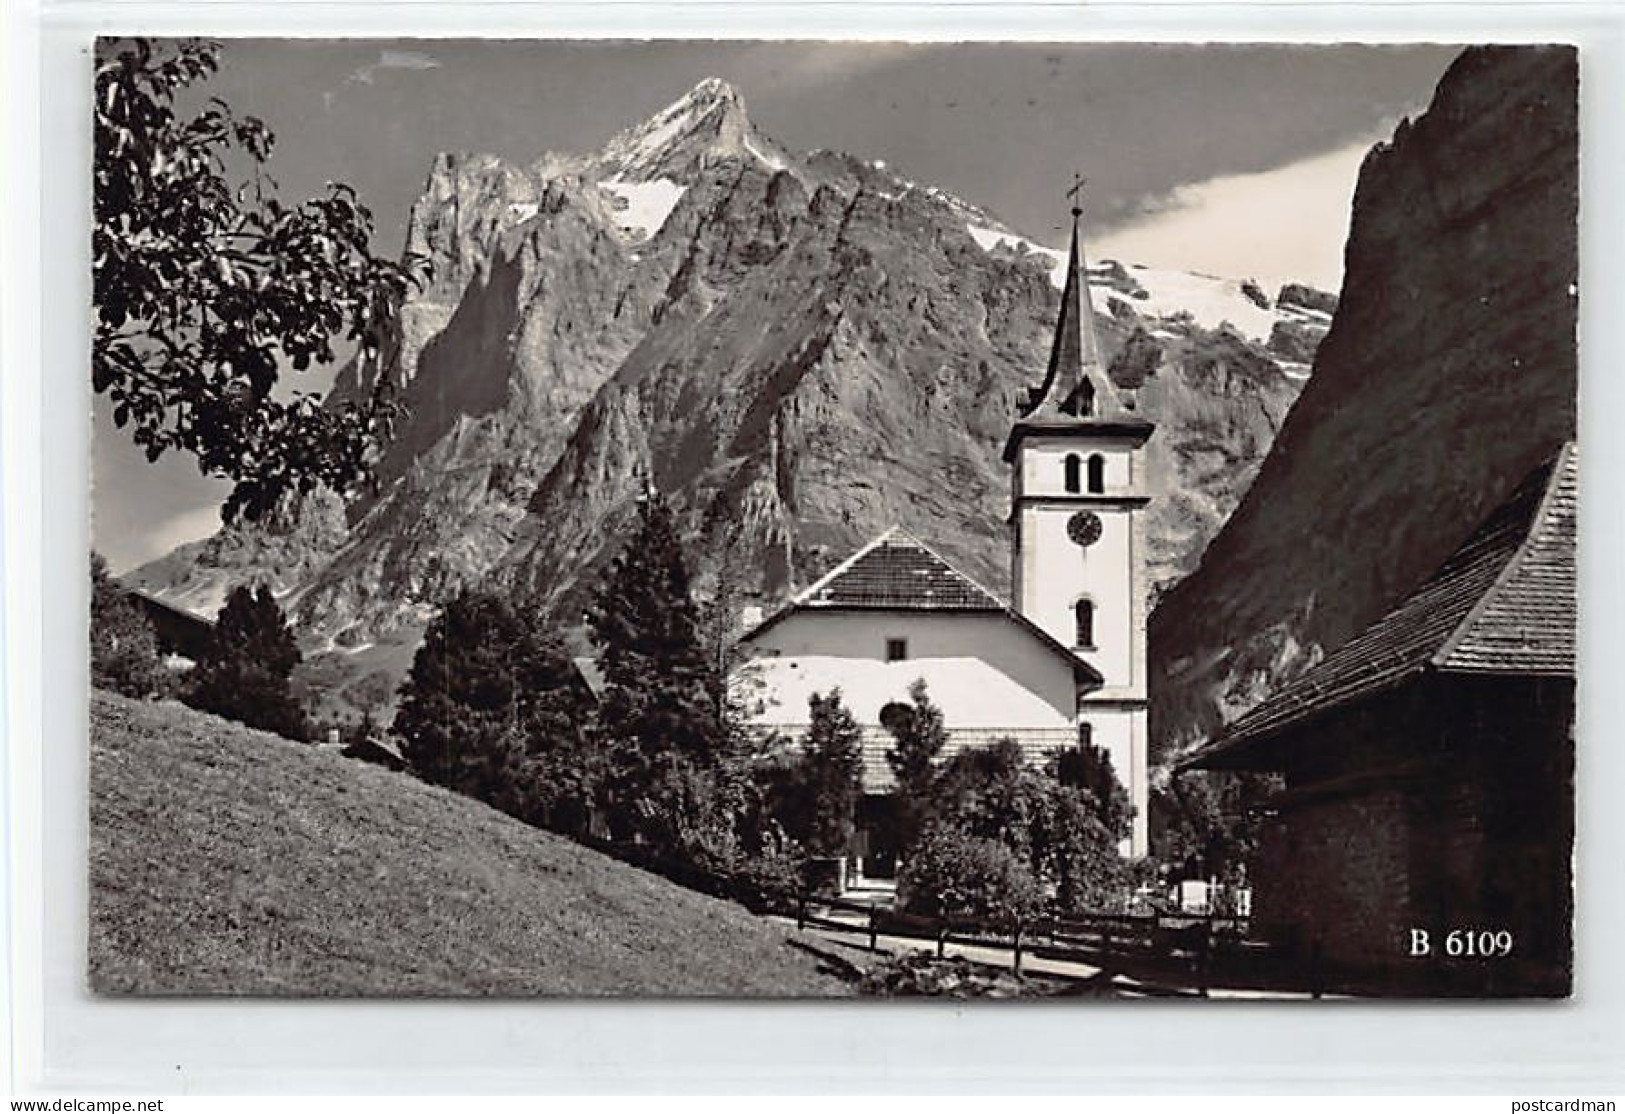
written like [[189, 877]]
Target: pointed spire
[[1075, 384]]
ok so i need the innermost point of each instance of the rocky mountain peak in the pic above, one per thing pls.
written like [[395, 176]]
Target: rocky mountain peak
[[712, 91], [799, 349], [704, 126]]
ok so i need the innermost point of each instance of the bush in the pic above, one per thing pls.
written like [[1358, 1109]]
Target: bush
[[1079, 855], [1062, 825], [770, 876], [1137, 361], [958, 876], [123, 650], [1296, 341], [991, 792]]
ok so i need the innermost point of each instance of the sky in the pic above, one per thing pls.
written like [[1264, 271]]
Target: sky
[[1232, 160]]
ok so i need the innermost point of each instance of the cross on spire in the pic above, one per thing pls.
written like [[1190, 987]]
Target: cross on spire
[[1075, 194]]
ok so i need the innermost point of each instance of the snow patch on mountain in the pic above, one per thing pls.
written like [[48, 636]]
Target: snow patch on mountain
[[771, 160], [1211, 301], [646, 142], [991, 239], [641, 208]]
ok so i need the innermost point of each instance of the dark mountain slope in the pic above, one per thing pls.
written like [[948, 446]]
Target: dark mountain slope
[[1449, 372]]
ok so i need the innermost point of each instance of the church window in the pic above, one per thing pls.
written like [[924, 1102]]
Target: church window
[[1074, 482], [896, 649], [1083, 613], [1097, 474]]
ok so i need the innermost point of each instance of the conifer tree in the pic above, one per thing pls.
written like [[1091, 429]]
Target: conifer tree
[[834, 769], [661, 689], [244, 670], [492, 708], [920, 736], [123, 650]]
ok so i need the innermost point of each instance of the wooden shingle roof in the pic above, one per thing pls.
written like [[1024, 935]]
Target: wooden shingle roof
[[1503, 603], [1526, 622], [896, 572]]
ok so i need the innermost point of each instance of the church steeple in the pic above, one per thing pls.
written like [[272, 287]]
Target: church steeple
[[1076, 393], [1075, 384], [1079, 486]]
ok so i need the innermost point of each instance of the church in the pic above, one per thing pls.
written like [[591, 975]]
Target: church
[[1060, 661]]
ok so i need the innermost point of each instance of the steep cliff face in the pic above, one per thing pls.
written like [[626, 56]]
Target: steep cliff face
[[859, 375], [801, 350], [1448, 373]]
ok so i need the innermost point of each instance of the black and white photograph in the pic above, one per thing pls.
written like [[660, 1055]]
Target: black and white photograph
[[803, 519]]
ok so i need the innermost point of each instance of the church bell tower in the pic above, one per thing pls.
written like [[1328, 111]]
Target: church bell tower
[[1077, 529]]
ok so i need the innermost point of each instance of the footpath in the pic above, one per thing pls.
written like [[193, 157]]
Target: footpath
[[853, 947]]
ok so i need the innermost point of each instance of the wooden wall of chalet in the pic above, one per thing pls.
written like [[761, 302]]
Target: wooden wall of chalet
[[177, 632], [1446, 804]]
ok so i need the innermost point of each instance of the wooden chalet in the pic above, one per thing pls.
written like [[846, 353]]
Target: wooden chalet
[[178, 632], [1428, 766]]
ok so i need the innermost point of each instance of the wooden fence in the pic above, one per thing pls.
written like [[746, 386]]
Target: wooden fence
[[1186, 950]]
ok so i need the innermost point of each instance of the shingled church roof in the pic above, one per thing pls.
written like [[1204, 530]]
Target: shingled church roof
[[1503, 603], [896, 572]]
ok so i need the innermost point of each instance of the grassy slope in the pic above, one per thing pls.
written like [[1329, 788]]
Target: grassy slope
[[225, 860]]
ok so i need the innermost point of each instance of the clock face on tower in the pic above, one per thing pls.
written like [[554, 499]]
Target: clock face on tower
[[1084, 528]]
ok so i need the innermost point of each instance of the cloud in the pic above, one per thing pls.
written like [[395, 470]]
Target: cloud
[[188, 526], [821, 63], [387, 60], [1285, 224], [393, 60], [129, 543]]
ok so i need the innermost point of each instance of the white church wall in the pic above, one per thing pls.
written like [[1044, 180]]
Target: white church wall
[[983, 670], [1056, 572], [989, 676], [1121, 732], [1042, 468]]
